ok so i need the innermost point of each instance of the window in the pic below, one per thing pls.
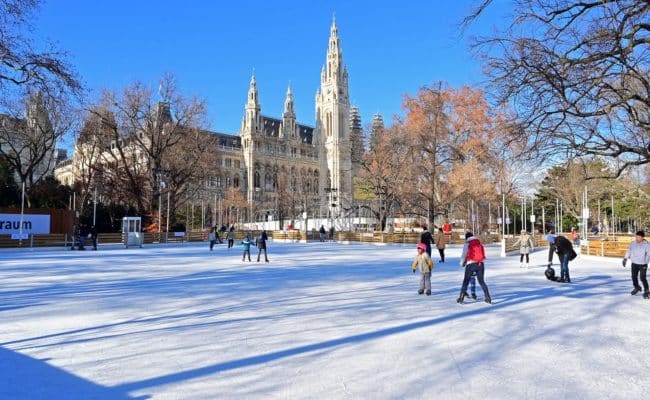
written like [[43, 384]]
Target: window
[[237, 164], [227, 163]]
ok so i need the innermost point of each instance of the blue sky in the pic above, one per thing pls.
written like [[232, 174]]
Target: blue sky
[[390, 48]]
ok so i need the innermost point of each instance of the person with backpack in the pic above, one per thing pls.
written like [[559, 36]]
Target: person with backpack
[[472, 259], [261, 245], [565, 252], [427, 239], [424, 263], [526, 245], [639, 254]]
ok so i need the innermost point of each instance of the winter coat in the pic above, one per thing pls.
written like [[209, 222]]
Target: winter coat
[[230, 235], [426, 238], [639, 253], [423, 262], [441, 241], [464, 260], [261, 240], [564, 247], [525, 243], [247, 243]]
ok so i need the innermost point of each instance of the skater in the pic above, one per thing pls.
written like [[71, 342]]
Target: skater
[[217, 237], [261, 245], [231, 237], [322, 233], [441, 243], [332, 233], [427, 239], [212, 238], [526, 245], [639, 254], [472, 259], [247, 246], [424, 263], [565, 253], [81, 236], [575, 237], [93, 236], [446, 228]]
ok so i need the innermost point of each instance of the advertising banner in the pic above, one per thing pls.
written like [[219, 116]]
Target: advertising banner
[[32, 223]]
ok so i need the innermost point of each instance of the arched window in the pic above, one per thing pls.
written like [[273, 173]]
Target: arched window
[[256, 180], [268, 183], [235, 181]]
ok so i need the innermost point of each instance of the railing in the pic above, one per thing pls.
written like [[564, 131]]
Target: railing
[[605, 248]]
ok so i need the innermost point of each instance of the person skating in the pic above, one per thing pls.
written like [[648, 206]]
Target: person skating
[[261, 245], [472, 259], [212, 238], [427, 239], [322, 233], [93, 236], [247, 247], [565, 252], [441, 243], [424, 263], [526, 245], [231, 237], [639, 254]]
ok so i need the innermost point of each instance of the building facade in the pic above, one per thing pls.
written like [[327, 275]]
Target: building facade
[[282, 167]]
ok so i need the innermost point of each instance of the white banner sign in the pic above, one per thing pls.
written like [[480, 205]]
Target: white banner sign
[[32, 223]]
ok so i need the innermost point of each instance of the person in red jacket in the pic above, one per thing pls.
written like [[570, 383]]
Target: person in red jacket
[[472, 259]]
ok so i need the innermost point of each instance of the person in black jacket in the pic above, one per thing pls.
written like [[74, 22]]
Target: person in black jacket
[[261, 245], [427, 239], [93, 236], [565, 252]]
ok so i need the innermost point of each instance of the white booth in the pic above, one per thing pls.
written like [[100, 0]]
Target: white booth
[[132, 231]]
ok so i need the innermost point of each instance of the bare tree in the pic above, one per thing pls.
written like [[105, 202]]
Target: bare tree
[[23, 66], [151, 142], [577, 76], [29, 133]]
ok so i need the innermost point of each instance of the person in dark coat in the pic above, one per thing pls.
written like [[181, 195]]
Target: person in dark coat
[[322, 233], [93, 236], [565, 252], [81, 234], [427, 239], [261, 245]]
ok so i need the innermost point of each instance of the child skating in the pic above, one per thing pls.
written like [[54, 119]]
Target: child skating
[[425, 265], [247, 247]]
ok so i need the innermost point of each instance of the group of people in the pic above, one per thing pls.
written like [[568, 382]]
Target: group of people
[[472, 259], [247, 242], [473, 256], [322, 233], [82, 232]]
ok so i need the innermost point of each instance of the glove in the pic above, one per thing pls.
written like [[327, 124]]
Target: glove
[[413, 270], [624, 262]]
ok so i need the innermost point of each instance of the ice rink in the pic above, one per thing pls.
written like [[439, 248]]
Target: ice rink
[[320, 321]]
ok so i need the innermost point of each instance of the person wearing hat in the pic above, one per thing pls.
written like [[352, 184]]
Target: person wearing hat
[[424, 263], [472, 259], [526, 245], [639, 254]]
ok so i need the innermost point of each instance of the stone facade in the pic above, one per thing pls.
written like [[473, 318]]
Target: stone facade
[[282, 166]]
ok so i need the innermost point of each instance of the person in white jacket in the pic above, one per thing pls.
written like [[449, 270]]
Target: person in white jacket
[[639, 254]]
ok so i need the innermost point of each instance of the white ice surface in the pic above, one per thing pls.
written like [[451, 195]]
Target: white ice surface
[[321, 321]]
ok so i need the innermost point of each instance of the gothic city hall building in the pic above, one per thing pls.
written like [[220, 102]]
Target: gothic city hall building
[[282, 166]]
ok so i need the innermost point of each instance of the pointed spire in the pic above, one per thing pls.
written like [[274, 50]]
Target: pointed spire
[[252, 92], [333, 29], [288, 103]]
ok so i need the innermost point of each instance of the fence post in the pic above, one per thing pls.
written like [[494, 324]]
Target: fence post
[[602, 248], [65, 240]]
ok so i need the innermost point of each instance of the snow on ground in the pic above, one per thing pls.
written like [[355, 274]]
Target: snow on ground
[[321, 321]]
